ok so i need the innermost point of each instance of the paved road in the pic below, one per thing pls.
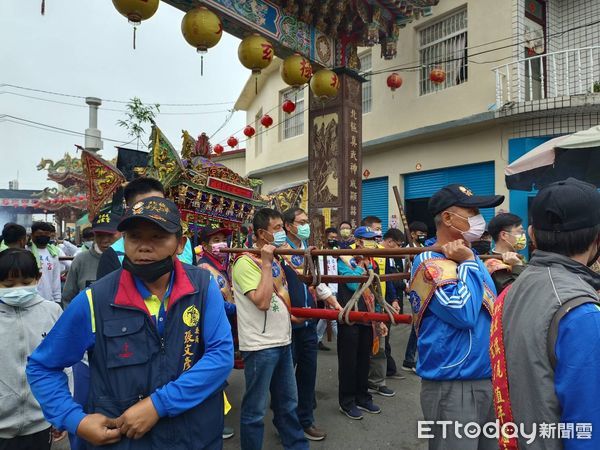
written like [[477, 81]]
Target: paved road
[[394, 428]]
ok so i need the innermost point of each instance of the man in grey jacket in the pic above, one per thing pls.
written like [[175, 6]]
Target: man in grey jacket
[[546, 330], [85, 265]]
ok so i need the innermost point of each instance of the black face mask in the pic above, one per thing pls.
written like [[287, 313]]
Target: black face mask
[[41, 241], [421, 239], [149, 272], [332, 243], [482, 247]]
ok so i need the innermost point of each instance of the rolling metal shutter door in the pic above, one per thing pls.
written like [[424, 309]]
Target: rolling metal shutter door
[[480, 178], [375, 199]]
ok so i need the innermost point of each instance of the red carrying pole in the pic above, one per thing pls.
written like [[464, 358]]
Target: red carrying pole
[[355, 316]]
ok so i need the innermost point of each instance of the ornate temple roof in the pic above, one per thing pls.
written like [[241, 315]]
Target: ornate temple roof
[[326, 31], [67, 171]]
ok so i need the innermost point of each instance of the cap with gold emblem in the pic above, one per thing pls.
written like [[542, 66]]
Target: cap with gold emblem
[[160, 211], [106, 223], [459, 195]]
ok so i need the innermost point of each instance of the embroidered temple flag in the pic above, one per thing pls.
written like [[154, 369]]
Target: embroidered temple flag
[[102, 180]]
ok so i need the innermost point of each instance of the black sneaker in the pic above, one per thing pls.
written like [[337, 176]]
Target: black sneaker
[[370, 407], [384, 391], [352, 413]]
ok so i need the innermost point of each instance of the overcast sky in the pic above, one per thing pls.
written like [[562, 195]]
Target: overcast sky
[[84, 48]]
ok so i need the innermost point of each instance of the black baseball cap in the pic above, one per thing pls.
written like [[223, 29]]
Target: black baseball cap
[[211, 229], [459, 195], [158, 210], [106, 223], [566, 205]]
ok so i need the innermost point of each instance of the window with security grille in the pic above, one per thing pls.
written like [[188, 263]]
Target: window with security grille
[[443, 45], [293, 123], [367, 93]]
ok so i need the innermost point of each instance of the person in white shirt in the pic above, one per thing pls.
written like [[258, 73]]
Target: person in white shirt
[[331, 242], [46, 256]]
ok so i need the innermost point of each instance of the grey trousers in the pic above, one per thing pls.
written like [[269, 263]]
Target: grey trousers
[[378, 367], [462, 402]]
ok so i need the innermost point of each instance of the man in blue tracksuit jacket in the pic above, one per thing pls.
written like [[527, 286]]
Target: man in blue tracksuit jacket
[[158, 341], [452, 296]]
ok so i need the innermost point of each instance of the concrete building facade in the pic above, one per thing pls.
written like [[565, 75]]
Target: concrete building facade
[[517, 74]]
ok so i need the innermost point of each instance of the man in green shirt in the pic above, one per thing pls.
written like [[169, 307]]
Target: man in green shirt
[[265, 336]]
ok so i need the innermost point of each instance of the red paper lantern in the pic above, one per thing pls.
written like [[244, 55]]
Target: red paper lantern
[[218, 149], [81, 197], [288, 106], [437, 76], [232, 142], [394, 81], [249, 131], [266, 121]]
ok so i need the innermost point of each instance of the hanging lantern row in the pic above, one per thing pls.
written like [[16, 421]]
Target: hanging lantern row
[[203, 29], [136, 11], [24, 203], [218, 149]]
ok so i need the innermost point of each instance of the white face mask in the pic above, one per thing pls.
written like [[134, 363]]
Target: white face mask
[[476, 227], [88, 244], [17, 296]]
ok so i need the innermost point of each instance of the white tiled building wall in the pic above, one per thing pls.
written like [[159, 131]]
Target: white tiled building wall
[[564, 79], [565, 74]]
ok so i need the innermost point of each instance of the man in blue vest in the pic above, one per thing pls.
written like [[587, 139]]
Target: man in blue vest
[[135, 191], [158, 341], [304, 332]]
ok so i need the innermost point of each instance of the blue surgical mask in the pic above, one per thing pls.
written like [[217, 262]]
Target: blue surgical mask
[[279, 238], [17, 296], [303, 232]]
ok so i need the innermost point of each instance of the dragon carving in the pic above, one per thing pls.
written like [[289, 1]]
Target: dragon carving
[[326, 166]]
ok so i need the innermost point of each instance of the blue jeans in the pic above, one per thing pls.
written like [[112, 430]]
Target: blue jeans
[[304, 352], [322, 327], [410, 359], [271, 370]]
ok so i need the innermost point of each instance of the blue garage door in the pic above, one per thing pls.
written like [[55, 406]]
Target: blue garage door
[[479, 178], [375, 199]]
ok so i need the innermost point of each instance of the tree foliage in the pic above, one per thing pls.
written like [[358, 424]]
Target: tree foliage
[[137, 115]]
